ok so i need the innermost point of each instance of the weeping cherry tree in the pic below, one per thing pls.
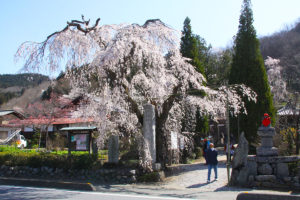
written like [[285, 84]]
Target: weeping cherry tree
[[119, 68]]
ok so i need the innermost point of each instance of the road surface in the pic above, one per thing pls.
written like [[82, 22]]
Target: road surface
[[31, 193]]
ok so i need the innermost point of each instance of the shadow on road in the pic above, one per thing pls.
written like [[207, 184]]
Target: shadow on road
[[198, 185]]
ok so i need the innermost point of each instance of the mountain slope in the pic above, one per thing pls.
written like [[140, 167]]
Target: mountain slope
[[15, 85], [285, 45]]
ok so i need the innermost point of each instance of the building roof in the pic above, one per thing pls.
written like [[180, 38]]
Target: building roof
[[47, 121], [8, 112], [85, 128], [287, 111]]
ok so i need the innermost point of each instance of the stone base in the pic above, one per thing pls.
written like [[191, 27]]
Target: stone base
[[262, 151], [156, 166], [265, 178]]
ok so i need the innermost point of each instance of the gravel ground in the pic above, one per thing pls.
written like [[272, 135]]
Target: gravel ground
[[195, 177], [191, 183]]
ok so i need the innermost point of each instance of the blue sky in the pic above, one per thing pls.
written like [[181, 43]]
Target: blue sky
[[214, 20]]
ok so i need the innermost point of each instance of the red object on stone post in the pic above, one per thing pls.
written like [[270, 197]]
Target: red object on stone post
[[267, 120]]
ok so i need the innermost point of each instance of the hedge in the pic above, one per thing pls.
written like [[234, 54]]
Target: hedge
[[15, 157]]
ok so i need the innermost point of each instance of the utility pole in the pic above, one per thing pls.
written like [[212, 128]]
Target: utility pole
[[238, 123], [228, 135], [296, 116]]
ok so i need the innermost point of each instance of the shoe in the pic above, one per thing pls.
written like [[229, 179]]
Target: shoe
[[216, 179], [208, 181]]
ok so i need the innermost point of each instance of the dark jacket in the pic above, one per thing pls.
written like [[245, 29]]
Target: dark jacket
[[212, 156]]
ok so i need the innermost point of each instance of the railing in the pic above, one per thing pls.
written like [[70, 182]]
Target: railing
[[17, 132]]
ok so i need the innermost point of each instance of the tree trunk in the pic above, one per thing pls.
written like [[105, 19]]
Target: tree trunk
[[297, 134], [40, 138], [161, 144], [161, 133], [47, 146]]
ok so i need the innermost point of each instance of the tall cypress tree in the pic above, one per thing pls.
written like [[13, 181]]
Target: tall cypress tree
[[189, 46], [248, 68]]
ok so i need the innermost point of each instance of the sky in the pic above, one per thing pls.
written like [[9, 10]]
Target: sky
[[214, 20]]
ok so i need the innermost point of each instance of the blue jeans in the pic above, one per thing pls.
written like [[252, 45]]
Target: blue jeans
[[209, 171]]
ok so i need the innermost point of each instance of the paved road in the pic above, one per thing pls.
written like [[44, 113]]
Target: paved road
[[30, 193]]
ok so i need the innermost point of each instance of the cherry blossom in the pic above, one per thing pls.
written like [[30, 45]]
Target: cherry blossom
[[119, 68]]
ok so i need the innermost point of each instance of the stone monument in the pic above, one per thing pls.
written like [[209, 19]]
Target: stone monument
[[149, 129], [266, 148], [266, 168], [240, 170], [266, 133], [113, 149]]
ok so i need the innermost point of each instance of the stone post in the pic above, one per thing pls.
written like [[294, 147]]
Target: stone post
[[149, 129], [266, 149], [113, 149]]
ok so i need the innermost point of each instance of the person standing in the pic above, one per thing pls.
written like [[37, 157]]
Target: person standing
[[212, 161]]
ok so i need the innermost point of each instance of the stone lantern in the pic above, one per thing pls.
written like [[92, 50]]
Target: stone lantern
[[266, 148]]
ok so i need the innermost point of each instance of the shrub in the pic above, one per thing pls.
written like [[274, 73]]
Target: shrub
[[39, 159], [149, 177], [8, 148], [285, 141], [293, 168], [198, 152], [134, 163]]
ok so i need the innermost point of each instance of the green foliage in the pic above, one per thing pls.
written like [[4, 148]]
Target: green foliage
[[192, 46], [130, 163], [248, 68], [34, 141], [202, 127], [7, 148], [293, 168], [285, 141], [47, 93], [5, 97], [60, 76], [61, 87], [200, 93], [198, 152], [218, 67]]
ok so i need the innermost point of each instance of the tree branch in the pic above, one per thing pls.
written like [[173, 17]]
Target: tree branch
[[133, 105]]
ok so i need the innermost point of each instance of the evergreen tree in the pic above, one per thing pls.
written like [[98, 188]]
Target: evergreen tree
[[201, 128], [190, 44], [248, 68]]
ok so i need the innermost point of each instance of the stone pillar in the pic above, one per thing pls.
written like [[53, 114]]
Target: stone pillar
[[266, 149], [149, 129], [113, 149]]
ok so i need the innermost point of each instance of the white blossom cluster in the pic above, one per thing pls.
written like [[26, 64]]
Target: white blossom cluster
[[276, 81]]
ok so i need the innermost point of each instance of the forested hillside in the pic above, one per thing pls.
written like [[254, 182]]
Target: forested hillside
[[14, 85], [285, 45], [22, 80]]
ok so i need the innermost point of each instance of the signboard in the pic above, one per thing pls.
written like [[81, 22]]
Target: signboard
[[79, 142], [174, 140]]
